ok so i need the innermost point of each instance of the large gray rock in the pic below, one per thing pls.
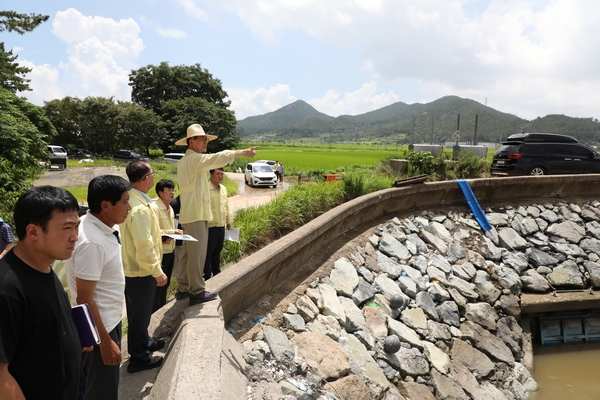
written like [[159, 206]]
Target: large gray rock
[[591, 245], [347, 270], [307, 309], [329, 304], [415, 244], [593, 269], [440, 262], [414, 390], [388, 266], [408, 361], [507, 278], [540, 258], [482, 314], [355, 319], [510, 239], [566, 275], [568, 249], [404, 333], [436, 357], [425, 302], [449, 314], [435, 241], [278, 342], [440, 231], [390, 246], [465, 288], [511, 333], [464, 271], [534, 282], [516, 260], [486, 342], [363, 365], [455, 252], [568, 230], [525, 226], [447, 388], [487, 291], [324, 355], [476, 361]]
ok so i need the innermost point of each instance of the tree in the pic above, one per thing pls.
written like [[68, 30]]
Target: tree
[[12, 21], [12, 75], [66, 117], [24, 132], [179, 114], [151, 86], [137, 127]]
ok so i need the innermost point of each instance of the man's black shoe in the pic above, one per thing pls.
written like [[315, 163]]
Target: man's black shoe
[[157, 345], [202, 297], [181, 295], [136, 366]]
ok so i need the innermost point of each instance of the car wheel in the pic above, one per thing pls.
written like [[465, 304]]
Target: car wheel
[[537, 171]]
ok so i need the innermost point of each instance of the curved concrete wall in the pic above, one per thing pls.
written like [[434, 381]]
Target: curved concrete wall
[[256, 275]]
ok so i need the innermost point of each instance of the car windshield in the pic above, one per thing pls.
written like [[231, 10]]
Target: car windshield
[[262, 168], [134, 154]]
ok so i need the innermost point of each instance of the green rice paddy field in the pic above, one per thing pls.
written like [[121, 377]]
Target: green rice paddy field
[[306, 158]]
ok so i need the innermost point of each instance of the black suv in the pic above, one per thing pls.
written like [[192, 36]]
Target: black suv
[[544, 154], [129, 155]]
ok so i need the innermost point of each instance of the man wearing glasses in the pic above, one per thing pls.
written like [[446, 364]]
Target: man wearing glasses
[[142, 255], [192, 173]]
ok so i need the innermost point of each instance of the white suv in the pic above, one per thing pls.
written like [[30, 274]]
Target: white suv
[[260, 174]]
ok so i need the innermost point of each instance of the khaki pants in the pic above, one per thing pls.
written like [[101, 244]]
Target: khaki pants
[[191, 264]]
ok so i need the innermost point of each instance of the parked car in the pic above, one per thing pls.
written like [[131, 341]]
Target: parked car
[[260, 174], [129, 155], [173, 158], [270, 162], [79, 154], [544, 154], [55, 151]]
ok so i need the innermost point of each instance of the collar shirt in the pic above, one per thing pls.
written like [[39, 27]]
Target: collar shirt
[[166, 220], [97, 257], [192, 173], [6, 236], [219, 206], [141, 248]]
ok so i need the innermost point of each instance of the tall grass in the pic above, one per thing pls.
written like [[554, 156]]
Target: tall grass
[[298, 205]]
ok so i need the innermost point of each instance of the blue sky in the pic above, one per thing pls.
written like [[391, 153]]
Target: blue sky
[[528, 58]]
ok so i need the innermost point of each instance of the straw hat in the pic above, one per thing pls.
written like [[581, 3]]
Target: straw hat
[[193, 131]]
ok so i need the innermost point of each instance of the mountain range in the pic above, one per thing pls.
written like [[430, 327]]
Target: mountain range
[[402, 123]]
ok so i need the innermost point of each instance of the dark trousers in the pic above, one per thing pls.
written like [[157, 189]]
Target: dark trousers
[[212, 265], [160, 298], [101, 381], [139, 299]]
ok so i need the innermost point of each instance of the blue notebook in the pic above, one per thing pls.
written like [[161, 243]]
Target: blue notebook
[[84, 320]]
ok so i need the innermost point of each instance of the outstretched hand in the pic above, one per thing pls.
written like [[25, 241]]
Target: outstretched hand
[[249, 152]]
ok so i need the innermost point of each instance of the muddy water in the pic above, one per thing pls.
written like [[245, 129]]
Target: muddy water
[[567, 372]]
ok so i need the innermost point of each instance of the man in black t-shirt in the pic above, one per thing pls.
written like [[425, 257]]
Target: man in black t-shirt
[[40, 353]]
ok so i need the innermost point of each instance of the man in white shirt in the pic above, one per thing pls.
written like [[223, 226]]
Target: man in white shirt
[[95, 275]]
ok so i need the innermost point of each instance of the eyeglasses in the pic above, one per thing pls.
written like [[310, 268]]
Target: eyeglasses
[[150, 174]]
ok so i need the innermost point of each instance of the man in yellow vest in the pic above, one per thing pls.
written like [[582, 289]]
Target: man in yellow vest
[[192, 173]]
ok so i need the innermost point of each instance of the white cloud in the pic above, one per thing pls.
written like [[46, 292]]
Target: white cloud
[[248, 103], [44, 87], [100, 54], [360, 101], [536, 55], [192, 9]]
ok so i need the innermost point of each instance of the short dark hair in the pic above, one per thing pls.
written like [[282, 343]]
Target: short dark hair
[[105, 188], [164, 184], [37, 205], [216, 169], [137, 170]]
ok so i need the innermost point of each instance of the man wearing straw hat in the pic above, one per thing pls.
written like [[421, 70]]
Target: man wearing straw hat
[[192, 173]]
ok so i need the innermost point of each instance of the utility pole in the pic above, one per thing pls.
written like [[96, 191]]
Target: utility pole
[[475, 136], [432, 118]]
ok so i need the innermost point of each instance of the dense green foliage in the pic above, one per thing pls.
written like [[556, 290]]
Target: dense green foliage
[[102, 125], [24, 128], [23, 134], [182, 96]]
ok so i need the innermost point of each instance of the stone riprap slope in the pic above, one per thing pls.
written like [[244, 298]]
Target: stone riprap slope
[[428, 308]]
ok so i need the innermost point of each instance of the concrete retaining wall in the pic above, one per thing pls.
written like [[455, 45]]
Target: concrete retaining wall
[[251, 278]]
